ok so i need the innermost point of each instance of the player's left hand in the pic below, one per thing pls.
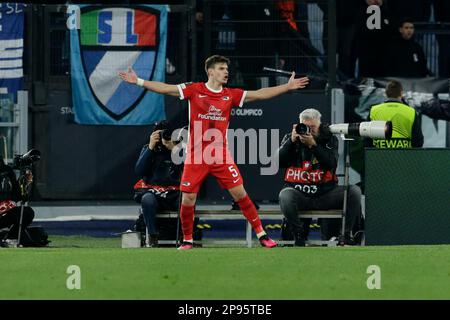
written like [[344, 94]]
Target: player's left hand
[[308, 140], [299, 83]]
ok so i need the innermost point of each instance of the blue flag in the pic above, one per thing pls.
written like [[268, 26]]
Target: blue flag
[[109, 40], [11, 48]]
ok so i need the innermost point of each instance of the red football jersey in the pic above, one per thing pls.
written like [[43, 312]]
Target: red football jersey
[[209, 117]]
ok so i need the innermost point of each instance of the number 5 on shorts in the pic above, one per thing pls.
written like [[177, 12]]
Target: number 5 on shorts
[[233, 171]]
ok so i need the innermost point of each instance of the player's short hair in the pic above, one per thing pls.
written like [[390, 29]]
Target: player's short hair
[[394, 89], [310, 114], [213, 60]]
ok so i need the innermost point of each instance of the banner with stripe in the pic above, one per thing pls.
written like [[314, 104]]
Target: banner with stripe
[[11, 47], [111, 39]]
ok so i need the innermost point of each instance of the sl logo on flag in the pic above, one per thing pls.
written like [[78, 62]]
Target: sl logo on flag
[[111, 39]]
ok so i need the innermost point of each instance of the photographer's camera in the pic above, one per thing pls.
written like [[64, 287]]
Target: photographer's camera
[[302, 128], [27, 159]]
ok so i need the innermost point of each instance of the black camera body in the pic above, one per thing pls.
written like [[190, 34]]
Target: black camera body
[[26, 160], [302, 128], [165, 134]]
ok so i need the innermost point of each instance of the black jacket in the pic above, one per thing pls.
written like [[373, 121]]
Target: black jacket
[[157, 168], [322, 159], [406, 58], [9, 186]]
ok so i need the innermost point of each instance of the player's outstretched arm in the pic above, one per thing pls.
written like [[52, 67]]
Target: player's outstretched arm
[[155, 86], [267, 93]]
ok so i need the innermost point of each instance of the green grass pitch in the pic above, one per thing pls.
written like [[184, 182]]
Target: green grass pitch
[[110, 272]]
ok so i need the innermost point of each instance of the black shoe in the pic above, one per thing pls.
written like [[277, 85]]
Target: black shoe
[[299, 238], [349, 241], [346, 240], [153, 241]]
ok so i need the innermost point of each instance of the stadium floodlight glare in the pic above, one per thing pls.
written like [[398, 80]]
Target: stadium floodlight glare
[[370, 129]]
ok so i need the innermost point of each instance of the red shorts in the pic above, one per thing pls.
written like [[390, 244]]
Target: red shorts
[[227, 175]]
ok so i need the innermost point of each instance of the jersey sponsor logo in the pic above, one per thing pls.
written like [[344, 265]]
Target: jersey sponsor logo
[[214, 113], [214, 110]]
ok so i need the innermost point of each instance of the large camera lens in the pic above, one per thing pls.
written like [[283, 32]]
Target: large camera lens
[[371, 129], [302, 128]]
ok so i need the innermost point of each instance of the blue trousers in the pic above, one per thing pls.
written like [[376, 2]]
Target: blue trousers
[[149, 205]]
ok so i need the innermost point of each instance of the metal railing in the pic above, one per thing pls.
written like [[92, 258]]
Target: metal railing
[[430, 36], [254, 34], [13, 125]]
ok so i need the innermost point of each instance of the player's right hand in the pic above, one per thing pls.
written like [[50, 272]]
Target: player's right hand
[[294, 135], [154, 139], [129, 76]]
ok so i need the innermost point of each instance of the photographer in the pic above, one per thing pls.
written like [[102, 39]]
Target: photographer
[[9, 195], [159, 187], [310, 155]]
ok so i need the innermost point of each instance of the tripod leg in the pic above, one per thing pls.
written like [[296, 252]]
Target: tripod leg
[[20, 223], [346, 185]]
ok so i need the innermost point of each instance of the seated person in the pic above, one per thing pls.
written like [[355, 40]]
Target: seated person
[[310, 179], [159, 187], [9, 196]]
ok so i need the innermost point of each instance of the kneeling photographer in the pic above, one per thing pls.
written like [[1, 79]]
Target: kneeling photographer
[[310, 155], [159, 187], [13, 191]]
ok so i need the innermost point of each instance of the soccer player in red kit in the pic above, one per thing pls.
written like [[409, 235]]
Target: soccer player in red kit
[[210, 106]]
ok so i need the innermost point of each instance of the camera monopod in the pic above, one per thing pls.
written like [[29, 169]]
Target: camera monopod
[[341, 240], [23, 195]]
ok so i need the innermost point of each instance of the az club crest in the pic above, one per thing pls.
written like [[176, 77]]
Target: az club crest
[[111, 40]]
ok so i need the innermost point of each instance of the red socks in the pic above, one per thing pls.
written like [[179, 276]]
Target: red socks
[[187, 221], [246, 205], [250, 212]]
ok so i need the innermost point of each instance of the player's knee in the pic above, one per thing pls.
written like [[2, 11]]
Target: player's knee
[[188, 199], [238, 193]]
